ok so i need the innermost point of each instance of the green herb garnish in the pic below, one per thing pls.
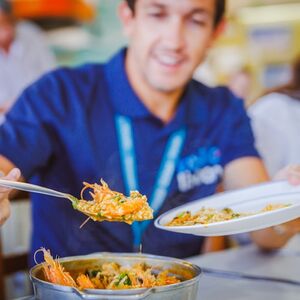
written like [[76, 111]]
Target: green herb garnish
[[124, 278]]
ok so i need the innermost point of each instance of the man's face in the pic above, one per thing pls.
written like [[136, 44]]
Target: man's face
[[169, 39], [7, 31]]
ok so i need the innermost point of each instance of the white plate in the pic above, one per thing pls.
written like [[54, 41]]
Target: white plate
[[251, 199]]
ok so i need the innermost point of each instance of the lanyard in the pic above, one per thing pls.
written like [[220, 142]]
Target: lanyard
[[129, 169]]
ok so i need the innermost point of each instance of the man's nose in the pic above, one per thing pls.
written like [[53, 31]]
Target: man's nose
[[174, 34]]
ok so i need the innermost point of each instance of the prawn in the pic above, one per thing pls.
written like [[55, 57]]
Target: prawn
[[84, 282], [54, 271]]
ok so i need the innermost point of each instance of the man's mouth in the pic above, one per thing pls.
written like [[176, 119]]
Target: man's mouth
[[169, 61]]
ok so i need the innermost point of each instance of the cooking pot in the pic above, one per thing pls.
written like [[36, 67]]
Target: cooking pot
[[185, 290]]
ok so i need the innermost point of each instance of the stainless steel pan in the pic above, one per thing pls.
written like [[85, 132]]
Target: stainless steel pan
[[185, 290]]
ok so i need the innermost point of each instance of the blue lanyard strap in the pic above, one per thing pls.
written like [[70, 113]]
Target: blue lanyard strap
[[129, 168], [128, 161]]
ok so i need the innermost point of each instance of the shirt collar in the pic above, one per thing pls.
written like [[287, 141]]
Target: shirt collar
[[197, 103], [192, 108], [124, 99]]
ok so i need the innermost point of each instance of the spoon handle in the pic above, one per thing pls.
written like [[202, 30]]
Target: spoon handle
[[27, 187]]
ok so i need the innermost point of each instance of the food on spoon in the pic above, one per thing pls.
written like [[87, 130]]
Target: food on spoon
[[211, 215], [110, 275], [108, 205]]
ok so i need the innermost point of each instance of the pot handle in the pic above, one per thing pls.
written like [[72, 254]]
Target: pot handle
[[137, 296]]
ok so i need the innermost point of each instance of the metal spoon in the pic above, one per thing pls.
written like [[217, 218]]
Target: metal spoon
[[27, 187]]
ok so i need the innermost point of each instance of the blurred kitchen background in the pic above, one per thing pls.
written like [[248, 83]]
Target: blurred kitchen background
[[260, 41]]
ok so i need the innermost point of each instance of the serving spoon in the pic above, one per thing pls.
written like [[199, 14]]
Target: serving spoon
[[79, 204], [27, 187]]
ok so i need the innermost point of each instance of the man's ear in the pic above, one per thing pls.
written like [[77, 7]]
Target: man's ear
[[218, 30], [126, 17]]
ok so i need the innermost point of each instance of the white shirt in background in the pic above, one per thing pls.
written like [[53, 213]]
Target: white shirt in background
[[29, 57], [276, 125]]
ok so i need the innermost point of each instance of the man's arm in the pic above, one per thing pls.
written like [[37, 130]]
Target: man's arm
[[6, 167], [250, 170], [243, 172]]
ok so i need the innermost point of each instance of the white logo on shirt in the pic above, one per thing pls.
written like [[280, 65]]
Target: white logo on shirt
[[203, 167], [207, 175]]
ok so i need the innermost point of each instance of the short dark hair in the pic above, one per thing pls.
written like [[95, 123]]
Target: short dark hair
[[6, 7], [220, 9]]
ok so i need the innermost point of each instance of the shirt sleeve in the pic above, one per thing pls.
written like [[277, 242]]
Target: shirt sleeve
[[25, 136], [241, 140]]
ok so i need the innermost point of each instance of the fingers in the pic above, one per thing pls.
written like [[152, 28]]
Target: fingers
[[293, 174], [290, 173], [13, 175], [4, 210], [294, 225], [282, 174]]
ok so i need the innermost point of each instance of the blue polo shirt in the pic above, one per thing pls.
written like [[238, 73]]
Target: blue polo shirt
[[62, 132]]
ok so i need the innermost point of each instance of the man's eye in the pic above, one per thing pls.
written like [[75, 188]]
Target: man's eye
[[198, 21], [156, 14]]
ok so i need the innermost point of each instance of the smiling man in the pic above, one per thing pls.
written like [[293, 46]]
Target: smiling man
[[139, 122], [168, 40]]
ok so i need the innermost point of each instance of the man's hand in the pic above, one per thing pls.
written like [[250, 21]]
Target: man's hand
[[277, 236], [14, 174], [290, 173]]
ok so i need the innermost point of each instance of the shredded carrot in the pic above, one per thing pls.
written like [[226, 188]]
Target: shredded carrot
[[108, 205]]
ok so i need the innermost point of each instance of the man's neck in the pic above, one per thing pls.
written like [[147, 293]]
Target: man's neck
[[162, 104]]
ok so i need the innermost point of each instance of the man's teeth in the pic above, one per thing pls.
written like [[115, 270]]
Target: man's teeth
[[167, 60]]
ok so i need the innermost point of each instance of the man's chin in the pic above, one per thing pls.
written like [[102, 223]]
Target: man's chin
[[167, 86]]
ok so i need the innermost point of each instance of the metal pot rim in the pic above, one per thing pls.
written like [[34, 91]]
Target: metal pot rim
[[138, 291]]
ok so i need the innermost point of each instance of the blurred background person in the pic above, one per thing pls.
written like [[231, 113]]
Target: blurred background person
[[276, 124], [275, 119], [24, 56]]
